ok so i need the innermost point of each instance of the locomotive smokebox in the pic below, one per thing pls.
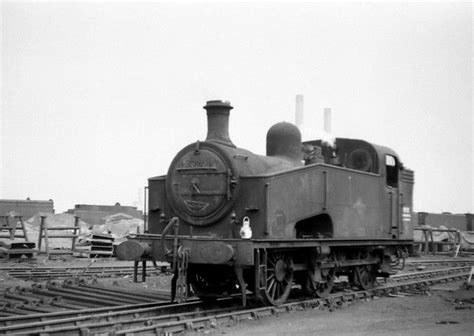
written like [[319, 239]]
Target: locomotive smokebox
[[284, 140], [218, 112]]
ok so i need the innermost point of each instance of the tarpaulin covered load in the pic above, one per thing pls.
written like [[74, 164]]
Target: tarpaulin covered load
[[467, 240]]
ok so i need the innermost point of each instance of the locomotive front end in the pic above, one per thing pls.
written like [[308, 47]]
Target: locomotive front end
[[202, 186], [202, 181]]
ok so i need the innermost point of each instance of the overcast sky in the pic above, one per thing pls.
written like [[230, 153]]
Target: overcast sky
[[97, 97]]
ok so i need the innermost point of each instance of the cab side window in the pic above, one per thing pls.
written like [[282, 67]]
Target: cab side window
[[391, 164]]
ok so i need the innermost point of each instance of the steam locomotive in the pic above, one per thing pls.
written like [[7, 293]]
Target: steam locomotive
[[231, 221]]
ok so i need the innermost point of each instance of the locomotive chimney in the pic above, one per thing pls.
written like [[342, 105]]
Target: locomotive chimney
[[218, 121]]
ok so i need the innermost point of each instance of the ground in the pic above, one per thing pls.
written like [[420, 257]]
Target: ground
[[438, 313], [433, 314]]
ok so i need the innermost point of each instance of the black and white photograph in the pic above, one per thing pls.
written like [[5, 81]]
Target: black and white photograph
[[236, 167]]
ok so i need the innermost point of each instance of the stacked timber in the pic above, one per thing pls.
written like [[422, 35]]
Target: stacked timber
[[14, 250], [102, 245]]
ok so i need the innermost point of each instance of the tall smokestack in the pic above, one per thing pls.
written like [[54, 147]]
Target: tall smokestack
[[299, 112], [327, 120], [218, 112]]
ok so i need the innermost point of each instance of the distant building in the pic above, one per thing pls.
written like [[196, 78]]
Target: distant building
[[96, 214], [462, 222], [26, 208]]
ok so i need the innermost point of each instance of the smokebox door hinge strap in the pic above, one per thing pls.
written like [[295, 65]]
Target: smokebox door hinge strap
[[231, 182]]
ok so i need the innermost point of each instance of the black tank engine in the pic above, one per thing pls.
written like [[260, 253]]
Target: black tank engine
[[229, 220]]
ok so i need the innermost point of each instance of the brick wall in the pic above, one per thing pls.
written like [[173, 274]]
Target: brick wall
[[95, 214], [26, 208]]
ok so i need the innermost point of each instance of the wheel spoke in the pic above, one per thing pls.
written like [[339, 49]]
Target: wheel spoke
[[272, 283], [273, 290]]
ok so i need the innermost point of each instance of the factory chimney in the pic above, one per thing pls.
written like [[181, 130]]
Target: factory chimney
[[299, 112], [218, 112], [327, 120]]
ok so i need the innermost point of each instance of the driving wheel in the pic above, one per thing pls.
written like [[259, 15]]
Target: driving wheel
[[365, 276], [278, 278]]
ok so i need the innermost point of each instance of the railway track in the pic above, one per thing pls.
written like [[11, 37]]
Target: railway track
[[47, 273], [102, 319], [164, 317], [413, 262], [61, 296]]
